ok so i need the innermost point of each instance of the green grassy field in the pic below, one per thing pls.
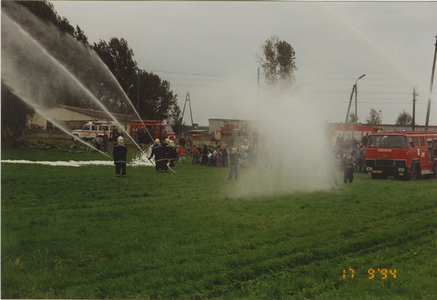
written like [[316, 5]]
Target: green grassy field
[[79, 232]]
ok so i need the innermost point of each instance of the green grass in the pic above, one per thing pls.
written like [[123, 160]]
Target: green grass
[[82, 233]]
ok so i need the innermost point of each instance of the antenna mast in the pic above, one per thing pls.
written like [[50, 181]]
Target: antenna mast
[[187, 99]]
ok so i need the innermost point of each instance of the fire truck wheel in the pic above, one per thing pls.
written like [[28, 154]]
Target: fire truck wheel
[[75, 138]]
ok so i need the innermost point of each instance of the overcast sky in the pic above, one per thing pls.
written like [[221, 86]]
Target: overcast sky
[[208, 49]]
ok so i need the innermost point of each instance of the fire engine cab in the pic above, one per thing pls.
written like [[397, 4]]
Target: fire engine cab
[[404, 155], [94, 129]]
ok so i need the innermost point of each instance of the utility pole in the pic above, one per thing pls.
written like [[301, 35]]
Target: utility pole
[[413, 126], [356, 108], [350, 101], [354, 89], [430, 89]]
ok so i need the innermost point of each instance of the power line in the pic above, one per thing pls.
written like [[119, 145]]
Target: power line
[[297, 78], [201, 74]]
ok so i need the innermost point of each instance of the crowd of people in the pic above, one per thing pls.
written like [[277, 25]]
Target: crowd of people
[[166, 152]]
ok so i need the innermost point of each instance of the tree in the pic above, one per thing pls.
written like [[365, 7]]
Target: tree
[[65, 26], [175, 119], [118, 57], [42, 9], [352, 118], [374, 117], [14, 114], [46, 12], [278, 62], [404, 118], [80, 36], [156, 98]]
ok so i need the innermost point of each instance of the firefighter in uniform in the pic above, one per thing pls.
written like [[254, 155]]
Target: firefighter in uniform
[[165, 145], [159, 152], [119, 155]]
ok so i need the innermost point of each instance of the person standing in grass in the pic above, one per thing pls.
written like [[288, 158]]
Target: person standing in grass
[[105, 142], [119, 155], [233, 160], [210, 158], [181, 152], [165, 146], [348, 167], [191, 142], [219, 157], [218, 136], [172, 153], [96, 142], [224, 158], [195, 156], [204, 155], [135, 134], [360, 158], [182, 141], [243, 155]]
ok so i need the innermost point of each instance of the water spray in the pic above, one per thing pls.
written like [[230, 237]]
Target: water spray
[[16, 88], [124, 94], [32, 103], [20, 45]]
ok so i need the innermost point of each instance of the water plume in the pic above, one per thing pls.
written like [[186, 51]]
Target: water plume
[[44, 67], [54, 121], [293, 153]]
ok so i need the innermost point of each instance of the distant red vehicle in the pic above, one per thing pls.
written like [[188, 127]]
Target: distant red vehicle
[[404, 155], [197, 133], [154, 127], [228, 129]]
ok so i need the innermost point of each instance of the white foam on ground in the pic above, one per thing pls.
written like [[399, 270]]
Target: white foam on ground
[[135, 163], [141, 161]]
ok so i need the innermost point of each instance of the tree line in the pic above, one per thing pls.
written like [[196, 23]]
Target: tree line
[[375, 117]]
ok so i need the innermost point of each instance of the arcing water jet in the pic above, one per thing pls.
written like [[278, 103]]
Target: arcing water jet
[[41, 76]]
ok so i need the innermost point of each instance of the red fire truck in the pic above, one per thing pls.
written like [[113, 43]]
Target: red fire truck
[[404, 155], [154, 127]]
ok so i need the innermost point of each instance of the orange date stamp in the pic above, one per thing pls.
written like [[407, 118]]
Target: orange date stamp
[[373, 274]]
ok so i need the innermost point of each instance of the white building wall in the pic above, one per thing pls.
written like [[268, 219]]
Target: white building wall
[[60, 114]]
